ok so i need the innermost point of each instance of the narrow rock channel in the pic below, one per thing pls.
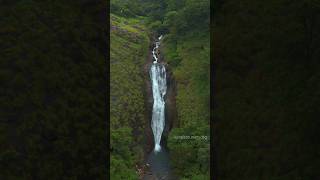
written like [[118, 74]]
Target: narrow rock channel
[[157, 160]]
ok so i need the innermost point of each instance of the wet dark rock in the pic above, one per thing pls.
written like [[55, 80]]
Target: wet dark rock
[[170, 108], [148, 103]]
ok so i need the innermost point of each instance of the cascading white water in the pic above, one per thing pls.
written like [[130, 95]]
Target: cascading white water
[[159, 88]]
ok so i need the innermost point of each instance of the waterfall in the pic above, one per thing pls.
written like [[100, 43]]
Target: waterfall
[[159, 87]]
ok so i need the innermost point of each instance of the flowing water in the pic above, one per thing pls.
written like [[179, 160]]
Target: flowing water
[[159, 88], [158, 160]]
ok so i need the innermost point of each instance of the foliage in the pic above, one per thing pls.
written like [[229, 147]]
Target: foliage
[[122, 158], [158, 27], [185, 24], [125, 8], [186, 49], [129, 48]]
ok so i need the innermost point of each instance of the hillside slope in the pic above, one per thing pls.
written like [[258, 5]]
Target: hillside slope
[[129, 47], [189, 57]]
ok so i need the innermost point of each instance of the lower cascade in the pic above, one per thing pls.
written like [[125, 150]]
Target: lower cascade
[[159, 88]]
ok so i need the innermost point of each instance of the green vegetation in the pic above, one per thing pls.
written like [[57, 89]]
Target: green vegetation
[[266, 56], [186, 45], [129, 44], [52, 102], [186, 48], [191, 59]]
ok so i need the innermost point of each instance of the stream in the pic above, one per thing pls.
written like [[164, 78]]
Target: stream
[[158, 160], [159, 88]]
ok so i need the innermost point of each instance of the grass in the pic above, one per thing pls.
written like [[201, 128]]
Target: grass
[[129, 48], [189, 57]]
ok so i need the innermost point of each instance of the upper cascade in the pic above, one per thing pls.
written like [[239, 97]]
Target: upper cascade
[[155, 49]]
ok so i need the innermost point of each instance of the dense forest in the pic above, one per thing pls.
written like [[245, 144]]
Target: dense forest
[[186, 49], [267, 93], [53, 90]]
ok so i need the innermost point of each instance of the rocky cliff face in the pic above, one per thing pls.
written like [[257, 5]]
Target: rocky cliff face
[[170, 108], [148, 103]]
